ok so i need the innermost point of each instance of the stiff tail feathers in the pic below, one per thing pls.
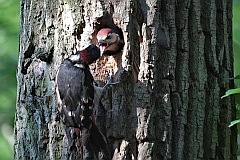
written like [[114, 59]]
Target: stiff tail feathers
[[77, 138], [99, 143], [91, 143]]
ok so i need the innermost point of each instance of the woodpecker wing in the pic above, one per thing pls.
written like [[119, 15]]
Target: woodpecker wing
[[75, 94], [99, 142]]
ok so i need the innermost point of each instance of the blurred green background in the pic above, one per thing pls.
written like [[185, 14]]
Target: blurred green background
[[9, 28], [236, 36]]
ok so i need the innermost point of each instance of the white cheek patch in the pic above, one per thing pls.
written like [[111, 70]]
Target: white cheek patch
[[113, 39], [74, 57]]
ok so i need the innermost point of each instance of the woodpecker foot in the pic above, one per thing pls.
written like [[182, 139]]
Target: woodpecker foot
[[100, 91], [109, 82]]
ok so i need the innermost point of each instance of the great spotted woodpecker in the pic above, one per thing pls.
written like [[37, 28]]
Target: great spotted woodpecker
[[110, 42], [75, 94]]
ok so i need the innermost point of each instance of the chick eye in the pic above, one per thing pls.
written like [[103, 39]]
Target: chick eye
[[109, 36]]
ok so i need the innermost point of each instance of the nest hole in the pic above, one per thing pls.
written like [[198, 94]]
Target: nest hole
[[106, 22]]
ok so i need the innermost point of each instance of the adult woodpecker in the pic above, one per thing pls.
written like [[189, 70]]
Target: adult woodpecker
[[75, 94], [110, 42]]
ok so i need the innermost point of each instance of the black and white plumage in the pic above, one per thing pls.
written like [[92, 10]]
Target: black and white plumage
[[75, 94], [110, 41]]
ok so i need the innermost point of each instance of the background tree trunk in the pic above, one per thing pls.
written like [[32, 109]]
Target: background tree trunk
[[174, 68]]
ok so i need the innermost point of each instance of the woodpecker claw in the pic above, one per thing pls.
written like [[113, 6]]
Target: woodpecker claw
[[99, 91]]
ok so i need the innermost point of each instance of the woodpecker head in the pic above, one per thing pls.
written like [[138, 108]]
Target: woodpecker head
[[87, 55], [109, 42]]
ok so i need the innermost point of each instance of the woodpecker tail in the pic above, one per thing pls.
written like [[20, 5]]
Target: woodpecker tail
[[93, 142], [98, 144], [77, 138]]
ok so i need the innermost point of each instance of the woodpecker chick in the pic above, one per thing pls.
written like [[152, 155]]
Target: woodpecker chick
[[75, 94], [109, 41]]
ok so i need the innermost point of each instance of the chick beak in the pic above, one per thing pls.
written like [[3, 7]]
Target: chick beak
[[102, 46]]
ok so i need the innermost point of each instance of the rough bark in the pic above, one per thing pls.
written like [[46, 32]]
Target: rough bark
[[174, 68]]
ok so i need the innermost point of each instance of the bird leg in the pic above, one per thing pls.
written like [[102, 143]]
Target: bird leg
[[109, 82], [99, 91]]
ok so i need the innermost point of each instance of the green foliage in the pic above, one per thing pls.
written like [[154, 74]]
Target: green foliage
[[234, 122], [231, 91], [9, 28]]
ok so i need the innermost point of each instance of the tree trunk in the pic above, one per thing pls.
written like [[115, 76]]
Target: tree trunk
[[174, 68]]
